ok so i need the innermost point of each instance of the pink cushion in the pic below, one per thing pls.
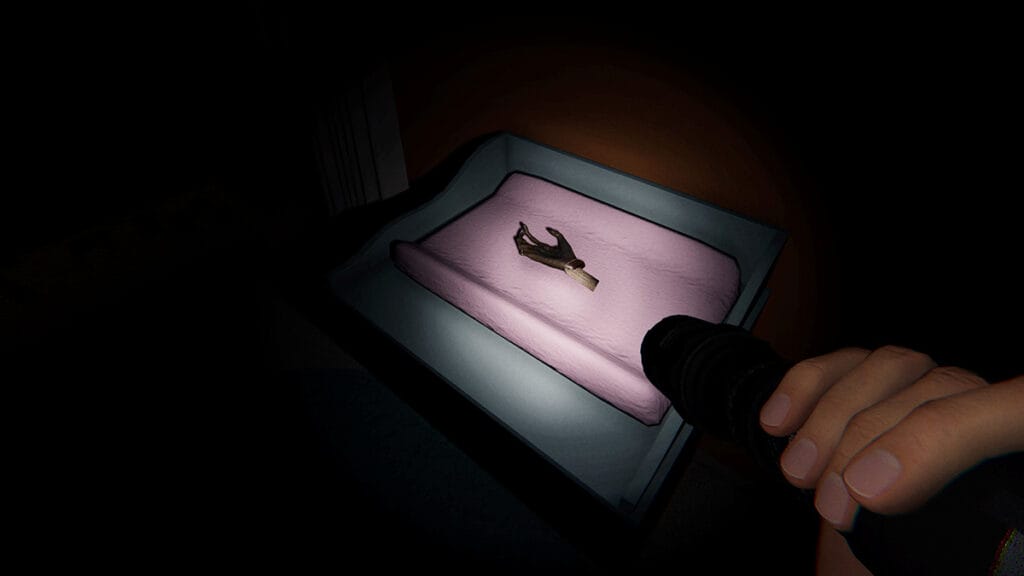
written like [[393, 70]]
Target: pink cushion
[[646, 273]]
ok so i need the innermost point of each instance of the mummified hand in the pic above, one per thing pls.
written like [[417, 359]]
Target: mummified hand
[[559, 256], [554, 256]]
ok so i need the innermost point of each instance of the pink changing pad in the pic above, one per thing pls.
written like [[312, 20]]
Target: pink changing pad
[[646, 273]]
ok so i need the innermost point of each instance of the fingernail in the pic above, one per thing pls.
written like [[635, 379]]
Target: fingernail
[[799, 458], [873, 474], [833, 502], [775, 410]]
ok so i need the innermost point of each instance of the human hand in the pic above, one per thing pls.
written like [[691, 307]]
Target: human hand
[[559, 256], [887, 429]]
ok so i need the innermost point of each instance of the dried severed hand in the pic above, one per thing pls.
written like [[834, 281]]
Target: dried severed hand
[[559, 256]]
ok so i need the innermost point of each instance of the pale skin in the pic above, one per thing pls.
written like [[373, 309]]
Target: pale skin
[[887, 429]]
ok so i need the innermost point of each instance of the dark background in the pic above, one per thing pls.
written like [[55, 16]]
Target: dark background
[[163, 191]]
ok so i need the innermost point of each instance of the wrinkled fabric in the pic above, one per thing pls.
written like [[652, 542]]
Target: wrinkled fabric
[[647, 272]]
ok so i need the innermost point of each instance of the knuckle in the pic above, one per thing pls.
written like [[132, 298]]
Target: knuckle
[[955, 379], [861, 430], [807, 372], [834, 408], [842, 418], [905, 355], [933, 411], [845, 451], [895, 350], [867, 425], [855, 350], [811, 373], [931, 425]]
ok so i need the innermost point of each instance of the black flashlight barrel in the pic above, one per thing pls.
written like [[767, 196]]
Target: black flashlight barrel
[[719, 376], [714, 375]]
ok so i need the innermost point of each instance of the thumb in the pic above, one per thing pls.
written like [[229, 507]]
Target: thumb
[[937, 441]]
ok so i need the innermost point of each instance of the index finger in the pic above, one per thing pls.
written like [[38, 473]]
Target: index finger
[[802, 386]]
